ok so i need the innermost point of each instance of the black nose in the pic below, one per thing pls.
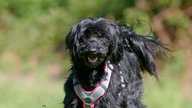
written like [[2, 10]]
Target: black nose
[[92, 49]]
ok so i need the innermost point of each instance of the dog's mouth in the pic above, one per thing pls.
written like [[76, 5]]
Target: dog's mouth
[[92, 57]]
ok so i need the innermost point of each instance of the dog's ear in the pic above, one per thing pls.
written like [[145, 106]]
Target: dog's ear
[[146, 49], [116, 53], [116, 49], [71, 36], [71, 40]]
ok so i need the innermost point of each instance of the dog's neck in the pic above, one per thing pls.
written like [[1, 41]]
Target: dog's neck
[[88, 77]]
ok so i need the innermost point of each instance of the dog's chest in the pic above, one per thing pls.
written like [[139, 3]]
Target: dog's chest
[[100, 92]]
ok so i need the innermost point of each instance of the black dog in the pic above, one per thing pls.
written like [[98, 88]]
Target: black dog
[[107, 59]]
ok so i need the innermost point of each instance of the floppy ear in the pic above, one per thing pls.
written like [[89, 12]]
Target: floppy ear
[[116, 53], [146, 49], [116, 48], [71, 40]]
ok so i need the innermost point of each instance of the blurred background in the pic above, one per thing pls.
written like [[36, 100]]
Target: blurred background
[[34, 63]]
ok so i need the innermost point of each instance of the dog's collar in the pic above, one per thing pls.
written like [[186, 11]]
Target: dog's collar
[[90, 97]]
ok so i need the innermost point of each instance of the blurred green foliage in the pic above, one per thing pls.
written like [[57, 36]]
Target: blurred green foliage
[[36, 26], [32, 30]]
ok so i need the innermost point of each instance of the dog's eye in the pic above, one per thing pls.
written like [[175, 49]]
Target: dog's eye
[[85, 36], [104, 36], [83, 39]]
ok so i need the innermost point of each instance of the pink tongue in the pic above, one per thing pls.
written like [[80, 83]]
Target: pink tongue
[[92, 56]]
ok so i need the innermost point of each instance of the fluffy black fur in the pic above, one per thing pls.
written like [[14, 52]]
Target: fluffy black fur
[[92, 42]]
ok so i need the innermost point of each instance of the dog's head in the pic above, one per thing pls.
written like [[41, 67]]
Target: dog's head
[[93, 41]]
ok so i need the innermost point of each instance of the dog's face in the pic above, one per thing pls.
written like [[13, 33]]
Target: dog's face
[[93, 46], [93, 41]]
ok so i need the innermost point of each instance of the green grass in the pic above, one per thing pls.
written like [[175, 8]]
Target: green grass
[[165, 94], [168, 92], [23, 93], [34, 87]]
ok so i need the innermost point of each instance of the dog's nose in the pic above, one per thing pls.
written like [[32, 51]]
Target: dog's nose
[[92, 46], [93, 50]]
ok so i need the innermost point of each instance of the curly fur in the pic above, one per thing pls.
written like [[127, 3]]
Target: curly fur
[[102, 40]]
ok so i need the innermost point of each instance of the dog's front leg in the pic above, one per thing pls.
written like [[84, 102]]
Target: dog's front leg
[[134, 104], [71, 101], [73, 104]]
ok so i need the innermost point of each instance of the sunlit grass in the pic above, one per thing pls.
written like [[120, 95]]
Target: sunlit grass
[[16, 92], [35, 89], [21, 93], [164, 94], [167, 93]]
